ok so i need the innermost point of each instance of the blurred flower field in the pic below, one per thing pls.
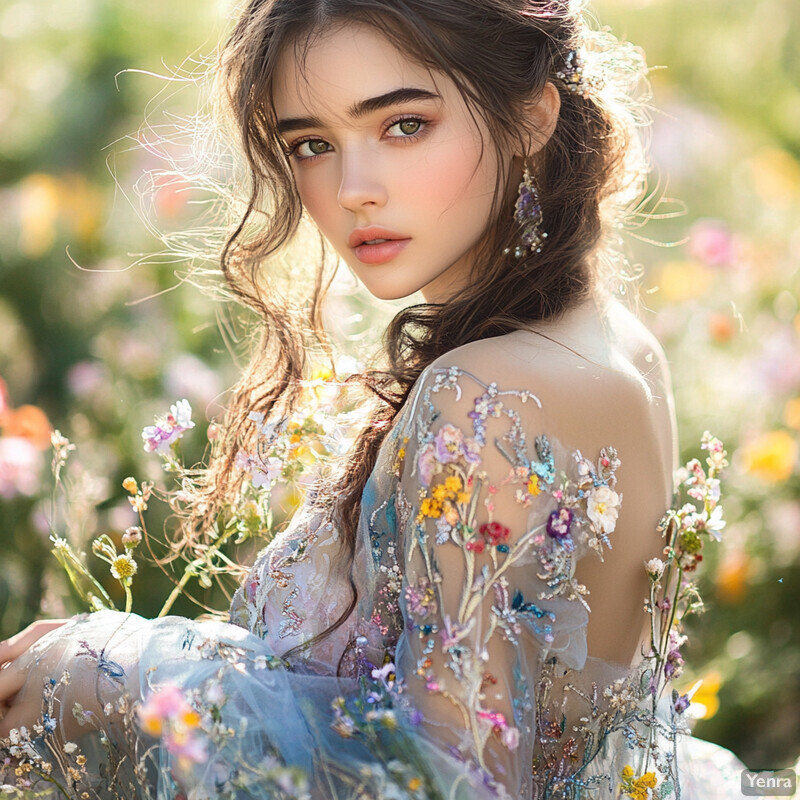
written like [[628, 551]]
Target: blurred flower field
[[96, 346]]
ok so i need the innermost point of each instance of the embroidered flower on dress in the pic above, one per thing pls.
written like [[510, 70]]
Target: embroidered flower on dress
[[494, 533], [602, 508], [559, 523], [451, 445], [421, 599]]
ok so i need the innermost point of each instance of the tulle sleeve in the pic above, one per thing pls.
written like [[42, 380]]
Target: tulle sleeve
[[496, 514]]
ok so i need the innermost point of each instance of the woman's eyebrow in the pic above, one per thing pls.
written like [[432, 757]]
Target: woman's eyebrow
[[361, 108]]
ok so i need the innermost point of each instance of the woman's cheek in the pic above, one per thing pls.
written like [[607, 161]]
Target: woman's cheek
[[319, 203]]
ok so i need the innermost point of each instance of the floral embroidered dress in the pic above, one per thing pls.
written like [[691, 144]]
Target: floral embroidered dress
[[463, 667]]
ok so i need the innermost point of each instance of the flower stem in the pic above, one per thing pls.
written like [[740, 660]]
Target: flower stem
[[189, 571]]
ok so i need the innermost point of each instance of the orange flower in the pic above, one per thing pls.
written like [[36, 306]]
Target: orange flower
[[732, 577], [791, 413], [28, 422], [720, 327]]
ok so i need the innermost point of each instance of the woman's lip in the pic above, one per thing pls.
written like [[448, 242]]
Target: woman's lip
[[380, 253]]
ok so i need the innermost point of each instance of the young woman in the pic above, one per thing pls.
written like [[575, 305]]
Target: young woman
[[458, 613]]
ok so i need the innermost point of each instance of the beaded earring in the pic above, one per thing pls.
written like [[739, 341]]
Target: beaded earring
[[528, 214]]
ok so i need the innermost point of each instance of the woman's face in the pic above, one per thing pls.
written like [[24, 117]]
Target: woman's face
[[409, 164]]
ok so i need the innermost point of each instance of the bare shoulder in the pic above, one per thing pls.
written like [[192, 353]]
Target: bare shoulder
[[585, 359], [600, 379]]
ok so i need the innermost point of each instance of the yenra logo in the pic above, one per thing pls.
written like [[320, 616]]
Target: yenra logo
[[772, 783]]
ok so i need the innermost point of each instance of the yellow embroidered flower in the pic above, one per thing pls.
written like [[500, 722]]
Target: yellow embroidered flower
[[440, 493], [430, 507], [463, 497], [533, 486], [636, 788], [400, 457], [453, 483]]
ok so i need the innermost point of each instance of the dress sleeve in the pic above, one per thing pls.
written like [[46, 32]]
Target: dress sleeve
[[496, 514]]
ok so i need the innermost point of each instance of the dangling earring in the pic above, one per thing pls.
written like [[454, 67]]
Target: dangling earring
[[528, 214]]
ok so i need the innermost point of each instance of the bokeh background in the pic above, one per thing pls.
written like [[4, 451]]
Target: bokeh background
[[94, 344]]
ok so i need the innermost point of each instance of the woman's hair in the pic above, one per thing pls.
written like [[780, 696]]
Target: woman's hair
[[499, 54]]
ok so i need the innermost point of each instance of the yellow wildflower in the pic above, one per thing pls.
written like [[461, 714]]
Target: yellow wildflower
[[130, 485], [414, 784], [771, 456], [123, 567]]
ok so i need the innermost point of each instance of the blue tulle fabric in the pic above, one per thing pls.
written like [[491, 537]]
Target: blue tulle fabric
[[461, 672]]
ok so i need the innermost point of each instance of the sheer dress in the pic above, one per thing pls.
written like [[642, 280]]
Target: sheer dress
[[466, 668]]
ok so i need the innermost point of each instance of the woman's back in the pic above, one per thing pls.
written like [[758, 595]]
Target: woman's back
[[603, 380]]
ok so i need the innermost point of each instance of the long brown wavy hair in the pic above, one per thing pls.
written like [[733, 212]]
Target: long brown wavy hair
[[499, 54]]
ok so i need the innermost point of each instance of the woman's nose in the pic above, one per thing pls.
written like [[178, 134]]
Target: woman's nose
[[362, 182]]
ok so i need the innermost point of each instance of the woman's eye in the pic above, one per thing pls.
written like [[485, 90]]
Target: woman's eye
[[408, 126], [316, 147]]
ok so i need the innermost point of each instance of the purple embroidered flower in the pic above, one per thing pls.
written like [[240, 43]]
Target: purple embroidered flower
[[680, 703], [421, 599], [426, 463], [451, 444], [453, 633], [559, 523]]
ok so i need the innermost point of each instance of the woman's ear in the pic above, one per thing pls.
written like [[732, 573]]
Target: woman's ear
[[541, 118]]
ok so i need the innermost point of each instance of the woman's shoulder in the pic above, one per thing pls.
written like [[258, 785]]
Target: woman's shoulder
[[599, 377], [590, 348]]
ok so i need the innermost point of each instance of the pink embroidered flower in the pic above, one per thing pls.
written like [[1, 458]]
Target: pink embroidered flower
[[475, 545], [451, 444], [452, 633], [559, 523], [426, 463], [510, 738], [168, 714], [495, 717]]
